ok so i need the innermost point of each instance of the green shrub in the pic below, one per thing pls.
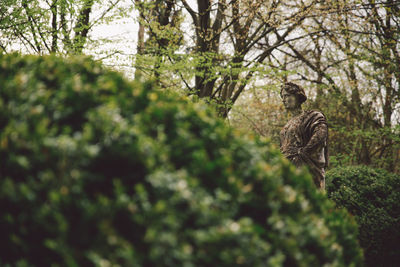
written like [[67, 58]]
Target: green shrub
[[98, 171], [373, 197]]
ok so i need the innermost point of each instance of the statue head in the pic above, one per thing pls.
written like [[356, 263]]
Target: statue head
[[292, 95]]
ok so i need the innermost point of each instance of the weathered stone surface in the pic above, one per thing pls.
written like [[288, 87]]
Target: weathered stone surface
[[304, 137]]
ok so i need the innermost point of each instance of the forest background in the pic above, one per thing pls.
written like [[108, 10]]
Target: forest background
[[235, 54]]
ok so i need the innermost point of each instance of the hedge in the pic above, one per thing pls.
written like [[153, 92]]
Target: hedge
[[373, 197], [100, 171]]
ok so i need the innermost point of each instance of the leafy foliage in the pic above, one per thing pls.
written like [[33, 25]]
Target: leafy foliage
[[373, 197], [96, 170], [57, 26]]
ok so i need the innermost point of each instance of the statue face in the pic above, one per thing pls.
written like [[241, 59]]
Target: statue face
[[290, 101]]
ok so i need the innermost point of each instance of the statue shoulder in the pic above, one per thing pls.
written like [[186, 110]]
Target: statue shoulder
[[314, 117], [314, 114]]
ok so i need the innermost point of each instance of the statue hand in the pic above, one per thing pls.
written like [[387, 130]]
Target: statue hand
[[290, 152], [295, 155]]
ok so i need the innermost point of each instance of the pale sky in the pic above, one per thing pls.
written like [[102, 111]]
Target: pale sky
[[121, 35]]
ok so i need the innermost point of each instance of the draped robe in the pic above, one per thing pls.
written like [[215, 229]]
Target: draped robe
[[304, 142]]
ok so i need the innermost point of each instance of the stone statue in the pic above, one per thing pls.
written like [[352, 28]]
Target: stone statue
[[304, 137]]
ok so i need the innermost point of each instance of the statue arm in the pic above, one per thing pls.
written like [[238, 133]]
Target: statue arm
[[319, 135]]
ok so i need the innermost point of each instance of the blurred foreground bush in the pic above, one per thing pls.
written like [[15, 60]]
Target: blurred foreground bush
[[98, 171], [373, 197]]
